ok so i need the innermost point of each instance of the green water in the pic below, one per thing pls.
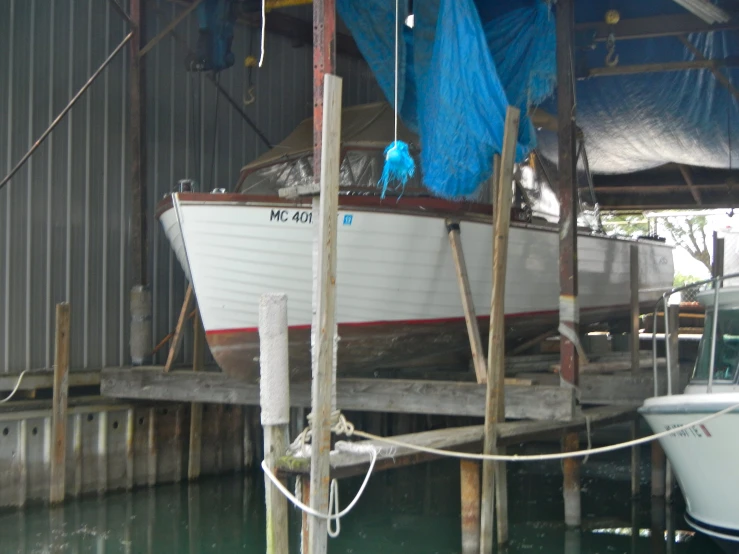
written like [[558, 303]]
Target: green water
[[411, 510]]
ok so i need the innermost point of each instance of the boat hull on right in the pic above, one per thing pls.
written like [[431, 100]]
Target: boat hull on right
[[703, 458]]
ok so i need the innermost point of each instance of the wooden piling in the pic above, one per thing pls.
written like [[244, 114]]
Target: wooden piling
[[717, 264], [635, 461], [196, 409], [275, 402], [325, 303], [470, 493], [658, 470], [634, 280], [494, 479], [571, 482], [568, 277], [59, 405]]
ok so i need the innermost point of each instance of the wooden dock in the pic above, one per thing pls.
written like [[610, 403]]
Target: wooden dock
[[461, 439]]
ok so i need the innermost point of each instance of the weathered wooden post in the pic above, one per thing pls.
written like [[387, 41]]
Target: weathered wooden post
[[274, 398], [59, 405], [658, 470], [325, 305], [196, 408], [470, 492], [494, 479]]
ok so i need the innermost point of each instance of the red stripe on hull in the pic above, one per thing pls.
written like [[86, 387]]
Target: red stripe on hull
[[415, 321]]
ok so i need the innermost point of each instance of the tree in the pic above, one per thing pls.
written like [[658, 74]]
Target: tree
[[687, 232], [690, 234]]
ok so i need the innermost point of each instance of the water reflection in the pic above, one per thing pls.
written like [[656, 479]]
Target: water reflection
[[411, 510]]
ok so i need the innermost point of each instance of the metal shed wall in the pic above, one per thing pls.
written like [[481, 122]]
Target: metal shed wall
[[64, 218]]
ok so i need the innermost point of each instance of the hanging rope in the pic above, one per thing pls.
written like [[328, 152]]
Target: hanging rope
[[399, 165], [264, 28], [17, 386]]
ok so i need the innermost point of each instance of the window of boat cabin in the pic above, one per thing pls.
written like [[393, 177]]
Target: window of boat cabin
[[727, 347]]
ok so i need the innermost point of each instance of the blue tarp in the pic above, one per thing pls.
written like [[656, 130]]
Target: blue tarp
[[465, 60], [451, 90]]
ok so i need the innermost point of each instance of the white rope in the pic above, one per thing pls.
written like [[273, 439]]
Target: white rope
[[334, 513], [17, 385], [397, 72], [544, 457], [264, 27]]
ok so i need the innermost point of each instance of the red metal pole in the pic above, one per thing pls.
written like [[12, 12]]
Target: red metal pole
[[324, 61], [569, 310]]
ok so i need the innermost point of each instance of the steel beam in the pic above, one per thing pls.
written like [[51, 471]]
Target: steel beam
[[136, 124], [653, 27]]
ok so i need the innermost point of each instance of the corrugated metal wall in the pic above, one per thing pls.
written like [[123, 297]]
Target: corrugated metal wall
[[64, 219]]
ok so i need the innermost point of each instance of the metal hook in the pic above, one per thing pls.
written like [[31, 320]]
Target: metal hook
[[611, 56], [250, 99]]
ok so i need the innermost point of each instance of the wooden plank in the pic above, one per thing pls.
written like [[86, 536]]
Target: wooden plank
[[612, 366], [461, 439], [468, 305], [44, 379], [524, 346], [59, 405], [614, 389], [369, 395], [174, 348], [494, 482], [324, 325]]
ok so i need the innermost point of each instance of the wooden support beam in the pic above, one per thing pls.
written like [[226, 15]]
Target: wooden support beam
[[470, 500], [720, 77], [363, 395], [685, 172], [494, 481], [634, 290], [196, 408], [523, 347], [174, 348], [664, 67], [468, 305], [59, 405], [34, 380], [324, 324], [652, 27]]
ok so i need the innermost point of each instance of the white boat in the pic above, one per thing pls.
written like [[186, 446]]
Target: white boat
[[398, 301], [704, 456]]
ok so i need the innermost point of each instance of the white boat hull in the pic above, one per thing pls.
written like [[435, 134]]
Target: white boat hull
[[395, 271], [703, 457]]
